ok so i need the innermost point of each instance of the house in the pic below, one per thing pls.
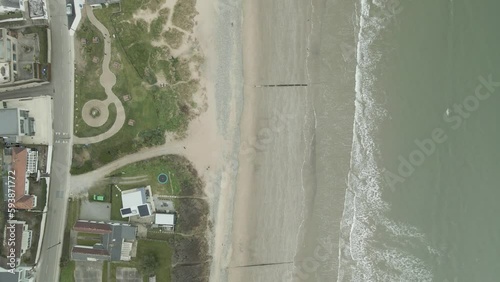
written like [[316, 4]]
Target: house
[[8, 56], [165, 220], [116, 241], [7, 6], [134, 202], [21, 163], [17, 240], [19, 274], [15, 123], [92, 227]]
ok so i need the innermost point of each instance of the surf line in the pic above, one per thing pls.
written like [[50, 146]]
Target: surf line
[[280, 85]]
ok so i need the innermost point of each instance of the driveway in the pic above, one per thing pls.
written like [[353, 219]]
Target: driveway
[[128, 274], [86, 271]]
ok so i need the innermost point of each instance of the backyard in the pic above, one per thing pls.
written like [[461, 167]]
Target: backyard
[[153, 107]]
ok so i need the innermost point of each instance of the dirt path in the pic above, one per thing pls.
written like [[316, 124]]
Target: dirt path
[[107, 80]]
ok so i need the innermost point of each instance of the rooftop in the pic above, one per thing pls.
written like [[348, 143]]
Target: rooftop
[[91, 227], [164, 219], [9, 122], [135, 203]]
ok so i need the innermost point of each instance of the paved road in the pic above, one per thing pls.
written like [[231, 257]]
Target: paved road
[[62, 76], [47, 89]]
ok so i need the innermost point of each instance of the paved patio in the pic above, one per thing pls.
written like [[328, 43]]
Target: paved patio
[[95, 211]]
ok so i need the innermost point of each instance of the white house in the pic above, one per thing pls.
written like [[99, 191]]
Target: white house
[[134, 202]]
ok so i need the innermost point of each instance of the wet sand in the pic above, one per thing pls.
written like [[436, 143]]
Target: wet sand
[[279, 200]]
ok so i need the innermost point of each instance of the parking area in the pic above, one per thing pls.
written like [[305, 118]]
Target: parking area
[[128, 274], [86, 271], [95, 211], [40, 108]]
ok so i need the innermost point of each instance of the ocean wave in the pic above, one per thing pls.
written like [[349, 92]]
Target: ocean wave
[[362, 257]]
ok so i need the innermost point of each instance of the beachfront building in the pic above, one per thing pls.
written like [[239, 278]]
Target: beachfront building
[[116, 241], [165, 220], [17, 240], [16, 123], [8, 56], [134, 202]]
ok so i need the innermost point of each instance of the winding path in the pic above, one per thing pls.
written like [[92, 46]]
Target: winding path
[[107, 80], [81, 183]]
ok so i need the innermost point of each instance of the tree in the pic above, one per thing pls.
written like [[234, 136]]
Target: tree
[[149, 264]]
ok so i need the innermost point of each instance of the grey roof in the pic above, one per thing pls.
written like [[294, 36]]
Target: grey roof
[[143, 210], [9, 277], [10, 4], [9, 122], [113, 242]]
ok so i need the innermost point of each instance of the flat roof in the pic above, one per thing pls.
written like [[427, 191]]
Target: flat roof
[[164, 218], [9, 122], [133, 198]]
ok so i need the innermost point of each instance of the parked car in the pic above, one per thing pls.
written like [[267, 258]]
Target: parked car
[[99, 198], [69, 9]]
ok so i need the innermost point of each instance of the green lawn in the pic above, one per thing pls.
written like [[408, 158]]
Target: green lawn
[[87, 73], [183, 178], [68, 266], [83, 130], [41, 31], [116, 205], [67, 272], [105, 266], [87, 242], [164, 254], [16, 15], [154, 109]]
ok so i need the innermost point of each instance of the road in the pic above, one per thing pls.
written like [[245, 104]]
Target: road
[[46, 89], [62, 84]]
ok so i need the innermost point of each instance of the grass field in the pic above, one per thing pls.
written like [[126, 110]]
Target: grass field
[[41, 31], [163, 253], [183, 178], [116, 205], [135, 63], [68, 266], [87, 73], [67, 272]]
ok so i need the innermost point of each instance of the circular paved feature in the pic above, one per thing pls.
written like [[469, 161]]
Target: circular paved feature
[[162, 178], [93, 120]]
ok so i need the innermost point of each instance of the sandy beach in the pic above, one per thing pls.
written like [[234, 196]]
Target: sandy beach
[[268, 202]]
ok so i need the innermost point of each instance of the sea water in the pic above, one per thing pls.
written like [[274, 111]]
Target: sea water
[[423, 194]]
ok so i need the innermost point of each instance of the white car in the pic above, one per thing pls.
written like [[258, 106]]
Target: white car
[[69, 9]]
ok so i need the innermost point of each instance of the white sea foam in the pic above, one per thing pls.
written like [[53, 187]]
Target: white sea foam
[[361, 256]]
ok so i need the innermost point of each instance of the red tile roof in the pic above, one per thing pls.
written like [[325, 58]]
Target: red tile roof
[[19, 164], [90, 251], [91, 227]]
